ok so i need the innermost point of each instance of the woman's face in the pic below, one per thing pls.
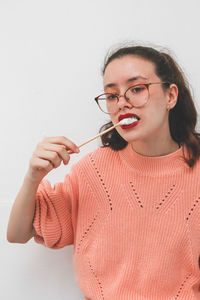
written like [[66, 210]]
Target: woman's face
[[120, 74]]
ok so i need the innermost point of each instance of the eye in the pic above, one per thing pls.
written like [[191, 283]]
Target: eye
[[137, 89], [111, 97]]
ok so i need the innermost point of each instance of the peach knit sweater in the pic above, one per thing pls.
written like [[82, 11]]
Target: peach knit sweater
[[134, 222]]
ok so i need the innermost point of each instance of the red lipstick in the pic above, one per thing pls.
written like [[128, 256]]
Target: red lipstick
[[121, 117]]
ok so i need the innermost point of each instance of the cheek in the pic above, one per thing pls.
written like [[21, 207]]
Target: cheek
[[156, 108], [155, 119], [114, 119]]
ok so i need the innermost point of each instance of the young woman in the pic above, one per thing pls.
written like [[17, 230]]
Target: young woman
[[131, 208]]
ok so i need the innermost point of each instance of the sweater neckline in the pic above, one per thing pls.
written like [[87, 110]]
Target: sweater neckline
[[164, 164]]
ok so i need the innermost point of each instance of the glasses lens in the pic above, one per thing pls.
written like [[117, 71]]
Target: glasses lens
[[137, 95], [108, 102]]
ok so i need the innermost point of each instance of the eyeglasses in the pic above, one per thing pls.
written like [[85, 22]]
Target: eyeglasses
[[137, 95]]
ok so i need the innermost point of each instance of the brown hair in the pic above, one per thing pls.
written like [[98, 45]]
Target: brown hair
[[182, 118]]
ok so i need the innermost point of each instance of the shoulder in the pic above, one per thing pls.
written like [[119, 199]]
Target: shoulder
[[196, 168]]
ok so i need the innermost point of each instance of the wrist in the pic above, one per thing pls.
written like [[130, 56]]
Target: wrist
[[31, 180]]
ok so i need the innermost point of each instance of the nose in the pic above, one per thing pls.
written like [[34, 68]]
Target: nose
[[123, 102]]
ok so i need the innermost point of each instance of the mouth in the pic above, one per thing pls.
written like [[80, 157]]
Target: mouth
[[128, 120]]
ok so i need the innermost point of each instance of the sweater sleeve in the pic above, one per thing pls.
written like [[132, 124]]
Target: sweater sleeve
[[56, 212]]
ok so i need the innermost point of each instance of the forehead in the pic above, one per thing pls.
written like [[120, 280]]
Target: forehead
[[121, 69]]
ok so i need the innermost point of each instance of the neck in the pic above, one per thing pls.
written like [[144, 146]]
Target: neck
[[153, 148], [152, 165]]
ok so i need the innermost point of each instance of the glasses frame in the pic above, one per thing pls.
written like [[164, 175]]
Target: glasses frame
[[145, 84]]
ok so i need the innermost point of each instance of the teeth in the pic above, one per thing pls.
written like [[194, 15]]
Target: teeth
[[128, 121]]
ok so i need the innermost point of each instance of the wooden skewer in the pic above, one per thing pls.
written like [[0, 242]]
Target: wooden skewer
[[96, 136], [100, 134]]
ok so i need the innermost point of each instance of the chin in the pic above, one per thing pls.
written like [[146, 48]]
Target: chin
[[130, 137]]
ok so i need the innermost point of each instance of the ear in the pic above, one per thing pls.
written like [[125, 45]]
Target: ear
[[172, 96]]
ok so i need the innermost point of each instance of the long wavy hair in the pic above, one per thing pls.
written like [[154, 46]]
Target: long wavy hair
[[182, 118]]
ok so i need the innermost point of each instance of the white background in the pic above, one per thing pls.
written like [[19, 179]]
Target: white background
[[51, 54]]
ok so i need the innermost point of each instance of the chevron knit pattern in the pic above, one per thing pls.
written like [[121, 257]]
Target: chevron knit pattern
[[134, 222]]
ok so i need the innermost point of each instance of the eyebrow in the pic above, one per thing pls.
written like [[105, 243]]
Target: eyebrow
[[109, 85]]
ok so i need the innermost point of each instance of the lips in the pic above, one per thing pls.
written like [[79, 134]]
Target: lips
[[128, 121], [121, 117]]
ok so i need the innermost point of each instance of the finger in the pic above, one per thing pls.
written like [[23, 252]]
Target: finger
[[60, 149], [41, 164], [51, 156], [61, 140]]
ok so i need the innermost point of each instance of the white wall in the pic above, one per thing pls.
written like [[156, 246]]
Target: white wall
[[51, 53]]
